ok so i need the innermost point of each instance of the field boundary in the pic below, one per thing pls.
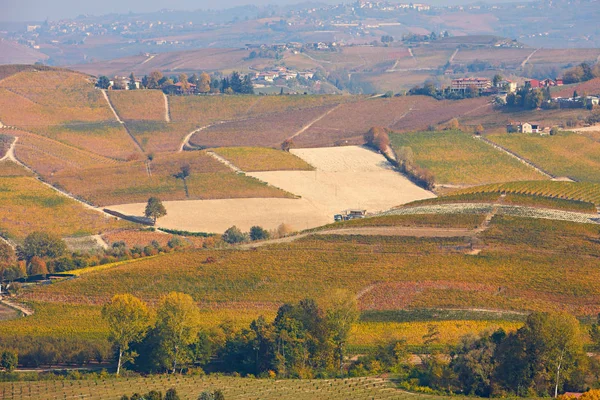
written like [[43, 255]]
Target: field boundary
[[518, 157], [310, 124], [167, 109]]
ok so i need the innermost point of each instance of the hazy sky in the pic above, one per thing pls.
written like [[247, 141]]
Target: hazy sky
[[38, 10]]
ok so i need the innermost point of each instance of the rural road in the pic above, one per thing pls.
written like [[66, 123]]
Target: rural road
[[167, 109]]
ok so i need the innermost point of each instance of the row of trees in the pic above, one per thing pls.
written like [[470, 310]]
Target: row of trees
[[184, 84], [42, 253], [581, 73], [528, 98], [304, 340], [542, 358]]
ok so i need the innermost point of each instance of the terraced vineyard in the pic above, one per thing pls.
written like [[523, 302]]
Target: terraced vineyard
[[190, 387], [455, 157], [252, 159], [580, 191], [566, 154]]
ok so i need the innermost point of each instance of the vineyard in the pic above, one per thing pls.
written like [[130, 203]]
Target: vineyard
[[138, 105], [159, 136], [252, 159], [455, 157], [136, 237], [190, 387], [9, 168], [108, 139], [28, 206], [566, 154], [136, 181], [579, 191], [50, 97]]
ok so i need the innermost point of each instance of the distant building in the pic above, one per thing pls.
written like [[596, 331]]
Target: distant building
[[465, 83], [544, 83], [524, 127], [508, 86]]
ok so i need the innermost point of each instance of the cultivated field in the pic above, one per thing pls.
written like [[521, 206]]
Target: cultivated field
[[50, 97], [136, 181], [159, 136], [28, 206], [456, 157], [566, 154], [190, 387], [253, 159], [135, 105]]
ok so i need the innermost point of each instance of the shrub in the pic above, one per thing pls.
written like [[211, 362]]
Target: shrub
[[233, 235], [258, 233], [377, 137]]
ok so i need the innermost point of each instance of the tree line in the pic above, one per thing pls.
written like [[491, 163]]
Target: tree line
[[184, 84]]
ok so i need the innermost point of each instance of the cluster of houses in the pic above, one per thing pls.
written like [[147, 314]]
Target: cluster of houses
[[486, 86], [266, 78]]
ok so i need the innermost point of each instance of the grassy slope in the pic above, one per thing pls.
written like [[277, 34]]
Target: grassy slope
[[565, 154], [457, 158]]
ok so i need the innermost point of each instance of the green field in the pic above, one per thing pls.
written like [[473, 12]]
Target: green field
[[566, 154], [252, 159], [456, 157]]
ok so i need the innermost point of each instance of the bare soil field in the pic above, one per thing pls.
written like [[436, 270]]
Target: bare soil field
[[345, 177], [401, 231]]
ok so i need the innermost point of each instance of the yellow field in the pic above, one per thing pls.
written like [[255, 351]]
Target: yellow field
[[253, 159], [28, 205]]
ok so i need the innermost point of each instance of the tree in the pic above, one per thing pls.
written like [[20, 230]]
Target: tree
[[154, 80], [183, 174], [43, 245], [177, 326], [155, 209], [378, 138], [132, 85], [287, 144], [7, 254], [247, 86], [36, 266], [128, 321], [497, 79], [183, 80], [453, 125], [171, 394], [342, 312], [233, 235], [103, 82], [479, 129], [204, 83], [258, 233], [236, 82], [9, 360]]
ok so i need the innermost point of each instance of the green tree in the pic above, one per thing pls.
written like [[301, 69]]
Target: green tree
[[154, 209], [7, 254], [9, 360], [233, 235], [183, 80], [236, 83], [128, 321], [177, 325], [342, 312], [132, 85], [497, 79], [154, 80], [43, 245], [103, 82], [171, 394], [258, 233]]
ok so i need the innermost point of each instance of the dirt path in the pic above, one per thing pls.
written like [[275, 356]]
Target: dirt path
[[10, 154], [101, 242], [111, 106], [167, 109], [307, 126], [15, 306], [413, 56], [515, 155], [225, 162], [529, 57], [453, 55], [148, 59], [186, 140], [119, 120]]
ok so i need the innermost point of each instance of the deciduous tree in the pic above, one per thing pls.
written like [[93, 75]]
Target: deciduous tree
[[155, 209], [128, 321]]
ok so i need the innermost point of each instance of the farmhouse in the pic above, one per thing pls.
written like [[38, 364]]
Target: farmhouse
[[524, 127], [544, 83], [465, 83]]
